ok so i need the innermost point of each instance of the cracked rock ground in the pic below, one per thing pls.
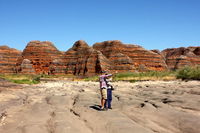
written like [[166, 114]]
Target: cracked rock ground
[[72, 107]]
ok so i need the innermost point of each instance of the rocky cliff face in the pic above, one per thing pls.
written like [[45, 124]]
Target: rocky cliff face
[[82, 59], [127, 57], [180, 57], [40, 58], [44, 58], [8, 58]]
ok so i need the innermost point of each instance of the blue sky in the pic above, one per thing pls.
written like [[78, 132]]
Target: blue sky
[[153, 24]]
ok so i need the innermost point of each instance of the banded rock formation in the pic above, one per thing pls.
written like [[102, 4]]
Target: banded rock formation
[[40, 58], [180, 57], [8, 58], [134, 56], [114, 56], [82, 59]]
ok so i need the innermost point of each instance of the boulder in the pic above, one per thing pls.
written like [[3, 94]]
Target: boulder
[[27, 67]]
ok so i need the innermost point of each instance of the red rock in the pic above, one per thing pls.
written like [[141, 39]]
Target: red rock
[[96, 63], [197, 51], [84, 60], [27, 67], [114, 56], [180, 57], [8, 58], [41, 58], [121, 62], [140, 58]]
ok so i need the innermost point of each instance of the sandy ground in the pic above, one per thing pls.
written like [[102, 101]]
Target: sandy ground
[[72, 107]]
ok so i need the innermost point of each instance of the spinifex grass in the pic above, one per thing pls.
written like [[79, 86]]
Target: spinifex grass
[[138, 76], [189, 73], [33, 79], [151, 75], [184, 73], [93, 78], [21, 78]]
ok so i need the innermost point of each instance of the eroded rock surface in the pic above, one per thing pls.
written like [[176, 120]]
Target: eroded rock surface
[[128, 57], [41, 58], [8, 59], [84, 60], [180, 57], [67, 106], [114, 56]]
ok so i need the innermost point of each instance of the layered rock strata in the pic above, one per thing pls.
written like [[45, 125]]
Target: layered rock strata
[[177, 58], [114, 56], [41, 58], [126, 57], [8, 59], [84, 60]]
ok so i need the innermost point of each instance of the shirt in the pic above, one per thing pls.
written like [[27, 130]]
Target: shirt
[[103, 81]]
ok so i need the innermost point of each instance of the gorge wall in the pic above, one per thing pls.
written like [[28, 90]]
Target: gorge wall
[[114, 56]]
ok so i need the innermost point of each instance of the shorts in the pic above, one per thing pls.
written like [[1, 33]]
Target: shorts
[[103, 93]]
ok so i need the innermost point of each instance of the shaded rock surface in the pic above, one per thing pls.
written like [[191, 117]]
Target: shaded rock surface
[[82, 59], [66, 106], [180, 57]]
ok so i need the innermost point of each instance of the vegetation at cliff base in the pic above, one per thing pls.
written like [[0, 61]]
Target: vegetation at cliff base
[[21, 79], [189, 73], [151, 75], [92, 78], [139, 76], [186, 73], [34, 79]]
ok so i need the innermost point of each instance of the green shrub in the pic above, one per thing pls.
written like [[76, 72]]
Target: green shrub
[[93, 78], [36, 78], [24, 81], [126, 74], [21, 78], [189, 73], [142, 75]]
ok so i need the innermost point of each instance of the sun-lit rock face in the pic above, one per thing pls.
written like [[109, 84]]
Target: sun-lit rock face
[[84, 60], [41, 58], [121, 62], [134, 57], [81, 59], [180, 57], [8, 58]]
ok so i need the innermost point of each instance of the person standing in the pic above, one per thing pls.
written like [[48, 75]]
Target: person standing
[[109, 92], [103, 89]]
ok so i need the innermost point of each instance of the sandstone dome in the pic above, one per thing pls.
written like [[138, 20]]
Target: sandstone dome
[[41, 54]]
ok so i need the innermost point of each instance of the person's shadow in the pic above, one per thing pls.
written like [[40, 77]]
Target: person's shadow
[[96, 107]]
